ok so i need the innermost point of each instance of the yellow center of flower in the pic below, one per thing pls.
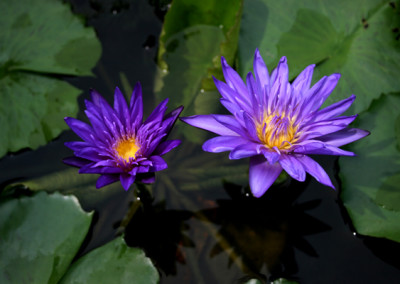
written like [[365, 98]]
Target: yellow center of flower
[[277, 130], [127, 149]]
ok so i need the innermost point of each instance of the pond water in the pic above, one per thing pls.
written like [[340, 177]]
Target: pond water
[[195, 227]]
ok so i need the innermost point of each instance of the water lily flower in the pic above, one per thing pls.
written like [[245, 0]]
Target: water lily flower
[[118, 145], [278, 124]]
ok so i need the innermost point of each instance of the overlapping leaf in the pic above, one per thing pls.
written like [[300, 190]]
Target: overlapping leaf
[[40, 236], [37, 39], [371, 181], [114, 262], [359, 39], [195, 35]]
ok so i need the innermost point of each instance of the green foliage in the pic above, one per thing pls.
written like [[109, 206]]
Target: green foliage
[[40, 236], [371, 181], [355, 39], [195, 35], [38, 40], [114, 262]]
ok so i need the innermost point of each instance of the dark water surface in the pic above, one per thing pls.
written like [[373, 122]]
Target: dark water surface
[[216, 234]]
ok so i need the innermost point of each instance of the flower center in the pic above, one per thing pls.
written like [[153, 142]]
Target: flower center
[[277, 131], [127, 149]]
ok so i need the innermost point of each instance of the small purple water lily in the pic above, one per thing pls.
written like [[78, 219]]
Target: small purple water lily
[[119, 145], [277, 123]]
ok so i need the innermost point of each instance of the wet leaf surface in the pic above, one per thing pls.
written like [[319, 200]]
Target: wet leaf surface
[[371, 180]]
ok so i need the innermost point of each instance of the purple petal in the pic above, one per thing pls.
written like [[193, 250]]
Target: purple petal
[[102, 104], [231, 122], [334, 109], [136, 105], [76, 162], [303, 81], [314, 169], [271, 155], [250, 127], [121, 107], [77, 145], [231, 107], [127, 180], [158, 164], [166, 146], [320, 92], [158, 112], [262, 174], [89, 169], [148, 179], [245, 150], [170, 119], [89, 153], [344, 136], [223, 143], [233, 80], [99, 127], [321, 128], [261, 73], [280, 77], [82, 129], [105, 163], [143, 168], [104, 180], [319, 148], [293, 167], [252, 91], [232, 95], [208, 122]]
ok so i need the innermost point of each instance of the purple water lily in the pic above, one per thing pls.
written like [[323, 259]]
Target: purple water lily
[[119, 145], [277, 123]]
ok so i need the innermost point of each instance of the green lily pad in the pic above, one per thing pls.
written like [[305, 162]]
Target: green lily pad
[[195, 35], [32, 109], [114, 262], [371, 180], [40, 236], [39, 39], [358, 39]]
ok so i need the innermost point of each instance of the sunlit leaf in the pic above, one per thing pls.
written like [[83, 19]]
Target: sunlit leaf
[[39, 39], [40, 236], [371, 180], [114, 262], [32, 108], [358, 39], [195, 35]]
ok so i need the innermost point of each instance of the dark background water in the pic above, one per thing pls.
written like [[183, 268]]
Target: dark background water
[[298, 231]]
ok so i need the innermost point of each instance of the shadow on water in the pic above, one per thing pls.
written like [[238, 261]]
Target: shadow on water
[[262, 232]]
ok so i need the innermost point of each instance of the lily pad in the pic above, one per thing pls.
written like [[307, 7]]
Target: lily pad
[[114, 262], [371, 181], [195, 35], [358, 39], [40, 39], [40, 236]]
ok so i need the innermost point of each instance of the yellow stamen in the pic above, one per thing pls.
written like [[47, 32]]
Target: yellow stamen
[[127, 149], [277, 130]]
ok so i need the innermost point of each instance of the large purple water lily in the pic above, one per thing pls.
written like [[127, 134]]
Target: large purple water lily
[[277, 123], [118, 145]]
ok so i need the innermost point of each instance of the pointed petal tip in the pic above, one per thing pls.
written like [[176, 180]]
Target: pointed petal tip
[[259, 193], [223, 61], [117, 89], [179, 109]]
